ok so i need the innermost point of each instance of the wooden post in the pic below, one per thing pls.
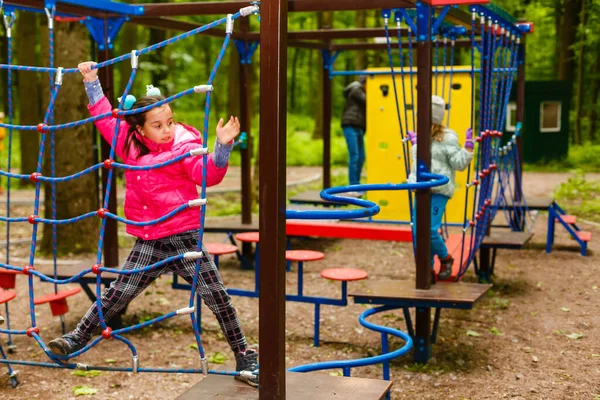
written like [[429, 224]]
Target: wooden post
[[422, 344], [273, 90]]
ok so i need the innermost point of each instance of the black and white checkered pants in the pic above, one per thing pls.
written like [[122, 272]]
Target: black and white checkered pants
[[147, 252]]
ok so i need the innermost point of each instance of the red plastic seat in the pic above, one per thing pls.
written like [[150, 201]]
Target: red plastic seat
[[585, 236], [8, 278], [58, 301], [344, 274], [6, 295], [568, 219], [303, 255], [251, 237], [218, 249]]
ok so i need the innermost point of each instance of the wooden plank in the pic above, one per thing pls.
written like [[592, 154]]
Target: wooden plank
[[312, 197], [403, 293], [532, 203], [506, 240], [300, 386]]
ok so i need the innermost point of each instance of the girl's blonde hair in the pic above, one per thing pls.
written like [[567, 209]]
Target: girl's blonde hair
[[437, 132]]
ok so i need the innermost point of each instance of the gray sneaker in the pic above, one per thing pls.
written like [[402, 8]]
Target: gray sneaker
[[445, 268], [67, 344], [247, 362]]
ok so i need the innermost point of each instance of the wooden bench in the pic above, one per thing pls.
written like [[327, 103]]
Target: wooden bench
[[313, 197], [299, 386]]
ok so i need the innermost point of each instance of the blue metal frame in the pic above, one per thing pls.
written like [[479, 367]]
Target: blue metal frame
[[100, 5], [96, 28], [246, 52]]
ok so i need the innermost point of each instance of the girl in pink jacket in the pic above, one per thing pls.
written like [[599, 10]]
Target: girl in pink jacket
[[145, 139]]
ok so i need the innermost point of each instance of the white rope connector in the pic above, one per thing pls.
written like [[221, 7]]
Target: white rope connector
[[229, 25], [135, 364], [192, 255], [203, 88], [197, 203], [82, 367], [50, 18], [244, 12], [200, 151], [247, 374], [204, 365], [184, 311], [134, 59], [8, 26], [59, 76]]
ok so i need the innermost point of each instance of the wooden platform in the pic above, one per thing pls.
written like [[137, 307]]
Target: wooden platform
[[403, 293], [532, 203], [299, 386], [312, 197], [506, 240]]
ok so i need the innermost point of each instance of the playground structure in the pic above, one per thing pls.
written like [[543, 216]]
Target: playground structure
[[272, 223]]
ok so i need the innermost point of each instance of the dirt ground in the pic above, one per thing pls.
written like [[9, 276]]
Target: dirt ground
[[536, 333]]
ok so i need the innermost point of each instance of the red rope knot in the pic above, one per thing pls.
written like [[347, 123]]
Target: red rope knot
[[471, 223], [32, 218], [96, 269], [107, 333], [108, 163], [493, 167], [30, 331], [115, 113], [27, 269], [34, 177], [41, 128]]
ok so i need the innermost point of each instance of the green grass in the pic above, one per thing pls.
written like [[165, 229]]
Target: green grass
[[580, 196], [580, 157]]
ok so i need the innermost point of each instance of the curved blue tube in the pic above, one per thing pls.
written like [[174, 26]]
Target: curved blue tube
[[361, 362]]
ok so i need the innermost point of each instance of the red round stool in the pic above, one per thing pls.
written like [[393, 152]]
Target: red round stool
[[8, 278], [301, 256], [219, 249], [58, 301], [344, 274]]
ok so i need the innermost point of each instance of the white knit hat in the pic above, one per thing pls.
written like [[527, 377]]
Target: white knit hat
[[438, 108]]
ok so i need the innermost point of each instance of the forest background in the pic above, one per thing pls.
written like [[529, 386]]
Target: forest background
[[565, 46]]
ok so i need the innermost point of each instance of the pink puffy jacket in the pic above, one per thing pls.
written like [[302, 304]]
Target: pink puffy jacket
[[153, 193]]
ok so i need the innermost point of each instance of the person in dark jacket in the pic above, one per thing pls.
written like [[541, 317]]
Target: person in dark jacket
[[354, 125]]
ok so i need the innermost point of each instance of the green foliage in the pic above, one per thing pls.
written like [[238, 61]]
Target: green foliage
[[584, 158], [580, 196]]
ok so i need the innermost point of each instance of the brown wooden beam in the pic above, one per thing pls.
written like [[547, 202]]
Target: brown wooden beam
[[272, 155], [460, 43], [178, 25], [230, 7]]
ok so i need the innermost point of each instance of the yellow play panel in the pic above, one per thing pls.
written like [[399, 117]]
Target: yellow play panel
[[385, 157]]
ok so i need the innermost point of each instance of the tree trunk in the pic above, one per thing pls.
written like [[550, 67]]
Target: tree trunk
[[324, 21], [294, 78], [360, 59], [580, 71], [73, 150], [128, 40], [558, 21], [593, 115], [566, 54], [29, 91]]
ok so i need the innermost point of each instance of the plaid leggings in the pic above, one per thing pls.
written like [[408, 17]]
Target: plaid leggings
[[146, 252]]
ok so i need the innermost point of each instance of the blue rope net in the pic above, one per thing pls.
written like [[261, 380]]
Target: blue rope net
[[47, 128]]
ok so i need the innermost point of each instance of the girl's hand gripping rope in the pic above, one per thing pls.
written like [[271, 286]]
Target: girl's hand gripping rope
[[469, 142], [89, 74]]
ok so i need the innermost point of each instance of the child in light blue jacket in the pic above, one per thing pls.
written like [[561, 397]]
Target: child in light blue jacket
[[447, 157]]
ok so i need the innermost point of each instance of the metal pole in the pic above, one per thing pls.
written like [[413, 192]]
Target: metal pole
[[520, 116], [423, 197], [273, 90], [111, 239], [326, 121]]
